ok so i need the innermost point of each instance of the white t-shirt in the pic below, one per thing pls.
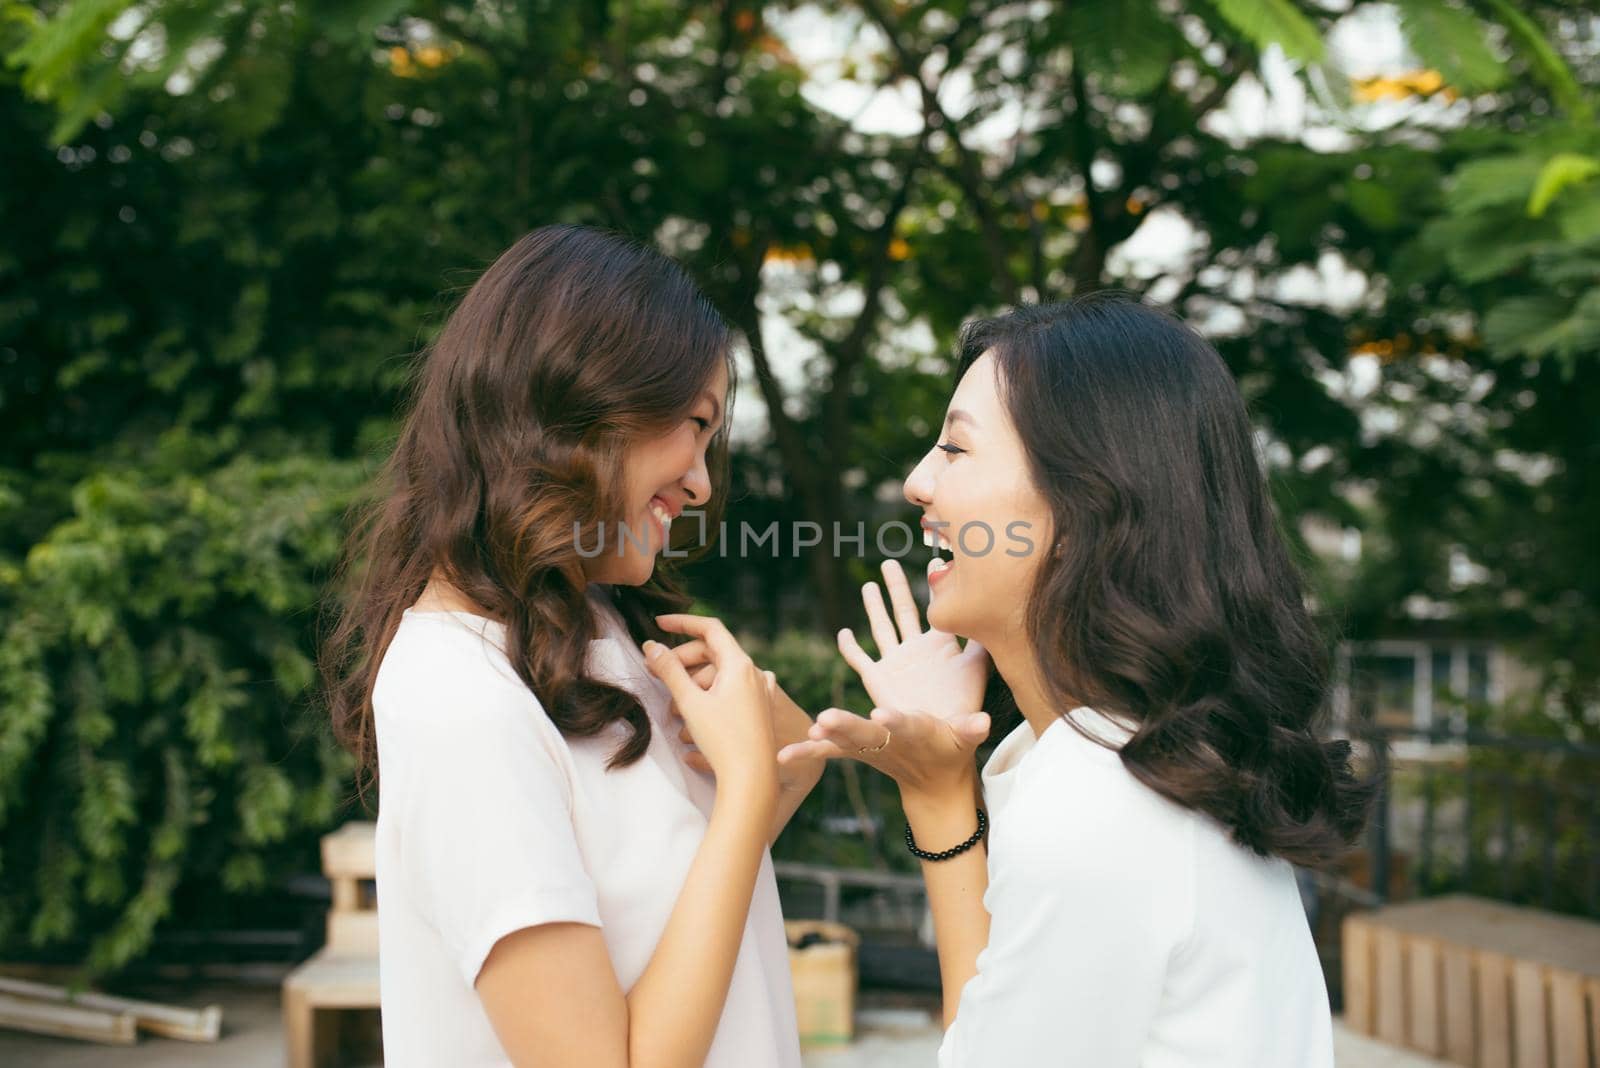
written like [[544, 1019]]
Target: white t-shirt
[[491, 821], [1127, 930]]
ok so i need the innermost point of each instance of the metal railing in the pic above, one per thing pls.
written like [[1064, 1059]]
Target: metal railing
[[834, 880], [1511, 818]]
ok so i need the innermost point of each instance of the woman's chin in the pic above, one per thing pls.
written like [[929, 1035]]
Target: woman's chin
[[941, 616], [638, 572]]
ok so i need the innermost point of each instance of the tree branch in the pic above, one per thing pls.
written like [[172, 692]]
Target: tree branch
[[967, 174], [849, 353]]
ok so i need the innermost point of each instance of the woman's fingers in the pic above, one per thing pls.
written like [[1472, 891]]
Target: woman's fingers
[[692, 654], [799, 752], [906, 615], [878, 616], [704, 675], [852, 652], [664, 666], [851, 732], [720, 643], [970, 728]]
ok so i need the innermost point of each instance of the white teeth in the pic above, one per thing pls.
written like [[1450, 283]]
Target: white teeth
[[663, 515], [928, 538], [937, 542]]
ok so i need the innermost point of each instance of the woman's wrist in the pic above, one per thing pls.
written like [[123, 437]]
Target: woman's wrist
[[752, 790], [945, 813]]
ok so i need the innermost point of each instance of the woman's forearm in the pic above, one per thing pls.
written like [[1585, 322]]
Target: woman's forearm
[[955, 886], [674, 1008], [790, 798], [790, 723]]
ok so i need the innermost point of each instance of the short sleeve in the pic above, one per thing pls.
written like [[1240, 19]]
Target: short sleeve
[[483, 805], [1079, 941]]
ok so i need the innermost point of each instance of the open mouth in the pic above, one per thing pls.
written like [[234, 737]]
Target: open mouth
[[663, 517], [940, 546]]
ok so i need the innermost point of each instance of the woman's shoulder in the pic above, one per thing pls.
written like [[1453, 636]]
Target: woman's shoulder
[[1095, 811], [450, 666], [1076, 793]]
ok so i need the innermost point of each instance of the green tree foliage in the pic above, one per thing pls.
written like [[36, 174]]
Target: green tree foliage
[[229, 226]]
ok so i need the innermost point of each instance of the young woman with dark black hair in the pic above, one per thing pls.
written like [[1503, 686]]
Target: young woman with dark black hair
[[1113, 549]]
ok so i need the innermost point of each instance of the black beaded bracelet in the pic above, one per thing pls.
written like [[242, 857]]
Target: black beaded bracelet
[[923, 854]]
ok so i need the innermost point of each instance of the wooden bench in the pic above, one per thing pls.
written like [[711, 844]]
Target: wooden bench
[[1476, 982], [343, 974]]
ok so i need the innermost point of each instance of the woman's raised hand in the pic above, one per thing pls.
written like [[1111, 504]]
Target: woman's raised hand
[[790, 722], [916, 670], [928, 756], [925, 732], [731, 717]]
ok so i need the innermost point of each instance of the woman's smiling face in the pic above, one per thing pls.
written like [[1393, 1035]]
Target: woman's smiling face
[[661, 476], [976, 492]]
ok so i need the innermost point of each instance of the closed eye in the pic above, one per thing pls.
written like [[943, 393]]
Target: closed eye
[[703, 424], [950, 449]]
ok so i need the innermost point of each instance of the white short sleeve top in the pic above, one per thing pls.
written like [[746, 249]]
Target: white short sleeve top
[[490, 820], [1127, 930]]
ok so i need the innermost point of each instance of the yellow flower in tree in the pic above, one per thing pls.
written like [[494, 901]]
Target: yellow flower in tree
[[1416, 83]]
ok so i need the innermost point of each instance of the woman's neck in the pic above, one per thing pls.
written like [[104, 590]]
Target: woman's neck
[[440, 596], [1017, 664]]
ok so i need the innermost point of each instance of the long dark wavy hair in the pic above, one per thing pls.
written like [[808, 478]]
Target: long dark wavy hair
[[1171, 598], [573, 344]]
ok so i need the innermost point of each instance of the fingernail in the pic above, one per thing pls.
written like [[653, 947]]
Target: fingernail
[[652, 649]]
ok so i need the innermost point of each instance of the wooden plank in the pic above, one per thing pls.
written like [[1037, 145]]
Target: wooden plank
[[1355, 956], [1569, 1026], [66, 1021], [1591, 990], [1424, 1031], [1530, 1015], [1493, 990], [168, 1021], [299, 1030], [1390, 1004], [335, 981], [1565, 942], [350, 852], [346, 894], [1460, 1043], [353, 933]]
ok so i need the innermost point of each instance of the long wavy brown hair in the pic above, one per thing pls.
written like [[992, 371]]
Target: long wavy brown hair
[[573, 344], [1172, 599]]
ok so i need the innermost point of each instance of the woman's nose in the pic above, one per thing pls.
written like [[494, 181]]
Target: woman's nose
[[697, 483], [919, 483]]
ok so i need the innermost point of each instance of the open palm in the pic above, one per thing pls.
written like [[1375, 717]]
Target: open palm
[[916, 670]]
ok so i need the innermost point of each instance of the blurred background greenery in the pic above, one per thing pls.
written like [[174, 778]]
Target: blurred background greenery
[[226, 227]]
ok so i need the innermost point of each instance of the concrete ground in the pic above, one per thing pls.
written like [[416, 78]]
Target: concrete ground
[[253, 1038]]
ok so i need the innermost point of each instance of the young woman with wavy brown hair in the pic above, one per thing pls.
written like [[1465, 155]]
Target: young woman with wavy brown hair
[[1113, 548], [558, 883]]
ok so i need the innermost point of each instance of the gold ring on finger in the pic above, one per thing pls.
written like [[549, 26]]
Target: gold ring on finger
[[887, 735]]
